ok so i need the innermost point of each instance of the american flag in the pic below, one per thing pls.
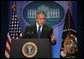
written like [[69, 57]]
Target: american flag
[[14, 33]]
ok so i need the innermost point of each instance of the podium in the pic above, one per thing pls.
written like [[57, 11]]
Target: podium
[[43, 48]]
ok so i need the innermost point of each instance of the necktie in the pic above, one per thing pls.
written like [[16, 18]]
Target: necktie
[[39, 32]]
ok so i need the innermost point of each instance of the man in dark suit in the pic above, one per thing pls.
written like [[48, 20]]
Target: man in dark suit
[[40, 30]]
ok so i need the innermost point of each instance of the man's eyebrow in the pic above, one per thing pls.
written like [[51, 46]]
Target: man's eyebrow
[[42, 18]]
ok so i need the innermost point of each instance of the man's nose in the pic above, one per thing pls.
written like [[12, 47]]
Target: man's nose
[[43, 20]]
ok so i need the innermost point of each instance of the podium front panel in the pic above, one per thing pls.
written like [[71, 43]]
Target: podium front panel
[[43, 46]]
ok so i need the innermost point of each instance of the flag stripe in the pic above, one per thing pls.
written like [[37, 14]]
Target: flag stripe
[[8, 41], [6, 54], [7, 50], [9, 37], [7, 46], [19, 36]]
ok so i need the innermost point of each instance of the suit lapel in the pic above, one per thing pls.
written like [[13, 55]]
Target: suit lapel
[[43, 31], [35, 30]]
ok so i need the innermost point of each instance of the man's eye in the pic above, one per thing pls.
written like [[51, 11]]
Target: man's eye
[[42, 19]]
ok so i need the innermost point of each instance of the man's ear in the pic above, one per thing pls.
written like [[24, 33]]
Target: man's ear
[[36, 18]]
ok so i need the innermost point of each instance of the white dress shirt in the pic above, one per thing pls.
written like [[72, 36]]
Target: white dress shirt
[[37, 25]]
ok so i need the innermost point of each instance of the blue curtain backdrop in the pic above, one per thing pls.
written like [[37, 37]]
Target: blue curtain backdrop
[[77, 15]]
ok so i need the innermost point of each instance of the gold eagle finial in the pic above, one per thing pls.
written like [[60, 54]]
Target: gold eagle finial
[[69, 6], [13, 6]]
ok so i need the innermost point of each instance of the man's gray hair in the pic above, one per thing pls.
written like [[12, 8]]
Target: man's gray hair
[[40, 12]]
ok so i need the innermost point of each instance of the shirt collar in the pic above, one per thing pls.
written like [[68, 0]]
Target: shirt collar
[[37, 25]]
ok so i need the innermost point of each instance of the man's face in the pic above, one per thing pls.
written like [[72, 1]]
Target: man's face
[[41, 19]]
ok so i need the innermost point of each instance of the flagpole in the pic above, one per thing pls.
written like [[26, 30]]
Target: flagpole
[[69, 8], [68, 35], [14, 7]]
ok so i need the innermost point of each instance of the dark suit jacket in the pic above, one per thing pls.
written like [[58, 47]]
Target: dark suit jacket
[[31, 32]]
